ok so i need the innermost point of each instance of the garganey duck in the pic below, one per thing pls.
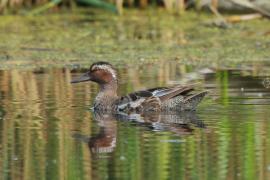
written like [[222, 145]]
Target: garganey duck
[[177, 98]]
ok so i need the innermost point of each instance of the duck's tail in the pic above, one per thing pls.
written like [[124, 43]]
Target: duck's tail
[[191, 101]]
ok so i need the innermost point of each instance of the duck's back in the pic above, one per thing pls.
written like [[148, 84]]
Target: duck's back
[[177, 98]]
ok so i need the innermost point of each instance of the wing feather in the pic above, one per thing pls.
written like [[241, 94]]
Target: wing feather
[[151, 99], [175, 92]]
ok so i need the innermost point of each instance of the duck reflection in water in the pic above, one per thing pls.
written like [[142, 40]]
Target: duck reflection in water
[[181, 124]]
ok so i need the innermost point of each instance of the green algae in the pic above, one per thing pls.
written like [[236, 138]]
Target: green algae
[[83, 37]]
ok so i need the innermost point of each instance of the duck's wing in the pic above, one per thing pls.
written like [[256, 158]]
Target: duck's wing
[[150, 99], [167, 93], [139, 101]]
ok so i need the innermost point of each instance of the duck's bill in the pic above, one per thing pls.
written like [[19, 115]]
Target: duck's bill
[[83, 78]]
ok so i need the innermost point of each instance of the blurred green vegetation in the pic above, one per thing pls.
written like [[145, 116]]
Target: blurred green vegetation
[[147, 36]]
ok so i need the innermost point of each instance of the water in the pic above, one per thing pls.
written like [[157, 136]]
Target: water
[[48, 132]]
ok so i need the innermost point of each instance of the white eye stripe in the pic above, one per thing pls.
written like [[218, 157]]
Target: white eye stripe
[[106, 68]]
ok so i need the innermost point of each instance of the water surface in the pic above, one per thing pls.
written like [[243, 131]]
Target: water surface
[[47, 130]]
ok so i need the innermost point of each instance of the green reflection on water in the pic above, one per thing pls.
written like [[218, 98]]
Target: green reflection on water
[[40, 111]]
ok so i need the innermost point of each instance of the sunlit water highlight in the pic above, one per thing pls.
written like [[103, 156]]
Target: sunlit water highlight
[[47, 130]]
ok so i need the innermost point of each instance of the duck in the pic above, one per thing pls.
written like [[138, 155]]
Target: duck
[[175, 98]]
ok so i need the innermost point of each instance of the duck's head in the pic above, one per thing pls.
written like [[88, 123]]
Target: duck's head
[[99, 72]]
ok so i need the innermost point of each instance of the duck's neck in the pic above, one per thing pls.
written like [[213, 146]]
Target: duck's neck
[[108, 88], [106, 96]]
